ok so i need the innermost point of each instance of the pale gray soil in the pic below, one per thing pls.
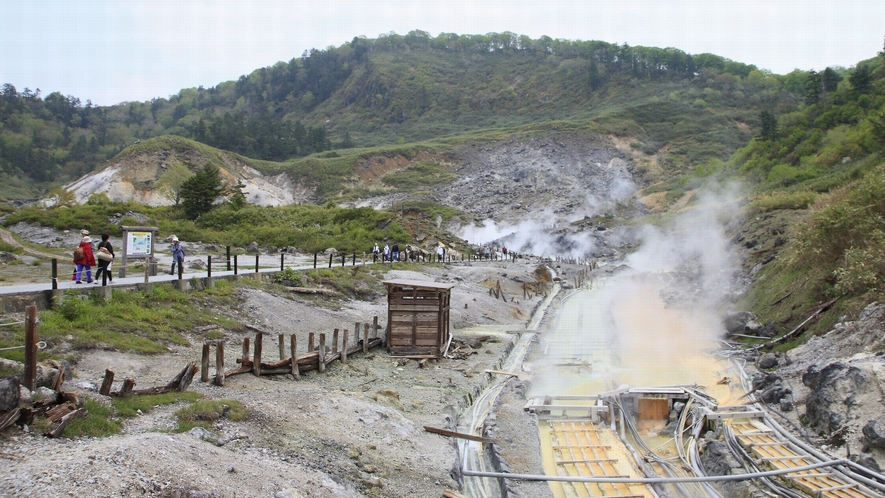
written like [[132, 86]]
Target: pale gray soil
[[356, 430]]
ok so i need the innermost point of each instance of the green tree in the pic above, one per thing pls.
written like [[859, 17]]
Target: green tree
[[769, 125], [861, 79], [831, 80], [812, 88], [199, 192]]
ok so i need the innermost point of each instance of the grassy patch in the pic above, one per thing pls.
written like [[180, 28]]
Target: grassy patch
[[129, 407], [782, 200], [424, 174], [107, 419], [136, 321], [206, 413]]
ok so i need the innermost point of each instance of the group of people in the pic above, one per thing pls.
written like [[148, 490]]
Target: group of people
[[391, 254], [86, 255]]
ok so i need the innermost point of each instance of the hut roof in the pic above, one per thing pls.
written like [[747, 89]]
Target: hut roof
[[419, 284]]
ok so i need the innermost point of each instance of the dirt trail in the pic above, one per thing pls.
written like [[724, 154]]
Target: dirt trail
[[7, 237]]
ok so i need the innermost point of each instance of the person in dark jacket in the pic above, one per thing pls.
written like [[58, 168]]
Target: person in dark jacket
[[87, 261], [103, 262], [177, 256]]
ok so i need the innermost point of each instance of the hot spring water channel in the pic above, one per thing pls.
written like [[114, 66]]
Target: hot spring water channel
[[617, 333]]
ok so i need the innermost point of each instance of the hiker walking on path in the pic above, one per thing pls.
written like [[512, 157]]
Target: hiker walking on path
[[84, 258], [104, 257], [177, 256]]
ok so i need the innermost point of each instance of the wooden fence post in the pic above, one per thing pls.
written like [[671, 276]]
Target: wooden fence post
[[366, 339], [245, 349], [204, 375], [292, 348], [344, 347], [321, 366], [107, 383], [30, 376], [219, 364], [310, 342], [256, 362], [335, 341], [282, 347], [126, 390]]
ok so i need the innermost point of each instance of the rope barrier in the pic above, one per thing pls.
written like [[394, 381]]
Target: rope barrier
[[11, 323], [40, 345]]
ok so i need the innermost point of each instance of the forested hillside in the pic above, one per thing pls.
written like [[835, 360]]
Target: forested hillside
[[409, 88], [818, 177]]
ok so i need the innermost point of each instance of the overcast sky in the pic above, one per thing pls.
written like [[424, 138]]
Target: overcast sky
[[112, 51]]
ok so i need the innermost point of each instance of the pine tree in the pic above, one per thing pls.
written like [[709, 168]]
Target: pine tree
[[199, 192]]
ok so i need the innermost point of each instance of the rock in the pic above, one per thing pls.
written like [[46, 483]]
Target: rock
[[87, 386], [834, 391], [768, 360], [26, 397], [203, 434], [786, 403], [10, 393], [736, 322], [865, 460], [253, 247], [874, 434], [44, 394], [767, 330], [6, 257]]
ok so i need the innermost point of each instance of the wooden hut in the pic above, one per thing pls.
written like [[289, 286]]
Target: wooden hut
[[417, 317]]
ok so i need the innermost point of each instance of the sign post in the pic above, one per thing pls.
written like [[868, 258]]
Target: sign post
[[138, 243]]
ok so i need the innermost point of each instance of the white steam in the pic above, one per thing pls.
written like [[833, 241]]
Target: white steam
[[654, 323]]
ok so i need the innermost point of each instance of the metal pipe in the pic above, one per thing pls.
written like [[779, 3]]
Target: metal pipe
[[653, 480]]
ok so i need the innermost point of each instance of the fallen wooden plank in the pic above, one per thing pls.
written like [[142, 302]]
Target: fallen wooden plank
[[237, 371], [460, 435], [451, 494], [56, 432], [502, 373], [9, 417], [307, 290], [256, 329]]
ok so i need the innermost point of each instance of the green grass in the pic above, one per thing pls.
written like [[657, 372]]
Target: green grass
[[134, 321], [206, 413], [107, 419]]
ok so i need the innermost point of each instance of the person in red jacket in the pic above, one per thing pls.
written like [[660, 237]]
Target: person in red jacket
[[87, 261]]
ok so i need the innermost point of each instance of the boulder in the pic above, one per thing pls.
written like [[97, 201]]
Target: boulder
[[874, 434], [253, 247], [767, 330], [768, 360], [10, 394], [736, 322], [867, 461], [834, 391]]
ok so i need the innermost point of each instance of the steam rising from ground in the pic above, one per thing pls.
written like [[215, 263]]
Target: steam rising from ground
[[654, 323], [535, 236]]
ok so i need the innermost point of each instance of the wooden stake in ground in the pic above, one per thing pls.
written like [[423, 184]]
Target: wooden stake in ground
[[292, 349], [30, 375], [219, 364], [321, 366], [204, 376], [107, 383], [256, 361]]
